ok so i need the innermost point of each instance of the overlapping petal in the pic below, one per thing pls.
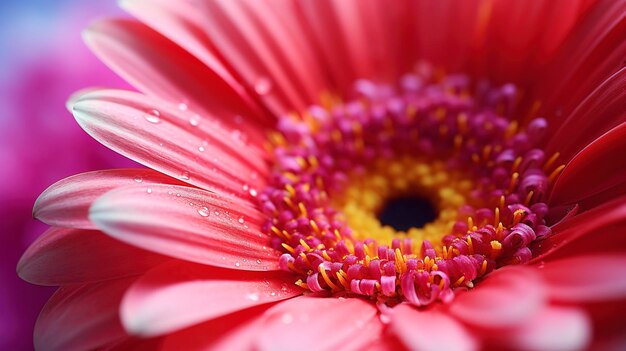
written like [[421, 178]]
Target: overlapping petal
[[180, 294], [187, 223]]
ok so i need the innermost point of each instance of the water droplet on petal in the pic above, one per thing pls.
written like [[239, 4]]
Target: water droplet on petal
[[253, 192], [241, 220], [194, 120], [258, 261], [139, 179], [237, 264], [201, 148], [182, 106], [184, 176], [262, 86], [153, 116], [204, 212], [253, 296], [149, 190]]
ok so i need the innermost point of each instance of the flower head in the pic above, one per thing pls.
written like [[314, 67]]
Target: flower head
[[376, 175]]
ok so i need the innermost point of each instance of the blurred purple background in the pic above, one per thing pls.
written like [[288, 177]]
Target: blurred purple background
[[42, 61]]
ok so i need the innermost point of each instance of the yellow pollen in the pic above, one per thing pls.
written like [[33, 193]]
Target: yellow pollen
[[342, 280], [496, 245], [518, 215], [470, 245], [496, 216], [303, 210], [302, 284], [516, 163], [551, 161], [483, 268], [514, 178], [326, 278], [305, 245], [529, 197], [288, 248]]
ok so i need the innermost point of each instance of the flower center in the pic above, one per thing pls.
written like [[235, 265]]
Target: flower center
[[406, 212], [406, 192]]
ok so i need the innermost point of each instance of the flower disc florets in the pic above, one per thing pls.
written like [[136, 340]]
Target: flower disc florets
[[443, 139]]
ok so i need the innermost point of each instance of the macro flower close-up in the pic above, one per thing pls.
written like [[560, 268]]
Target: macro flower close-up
[[346, 175]]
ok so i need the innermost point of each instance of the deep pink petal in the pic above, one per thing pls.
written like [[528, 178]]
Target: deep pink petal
[[586, 278], [554, 329], [187, 223], [334, 322], [66, 202], [598, 167], [430, 330], [599, 230], [157, 66], [507, 297], [181, 294], [81, 317], [62, 256], [171, 141]]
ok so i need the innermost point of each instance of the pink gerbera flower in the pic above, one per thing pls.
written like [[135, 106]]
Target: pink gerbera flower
[[346, 175]]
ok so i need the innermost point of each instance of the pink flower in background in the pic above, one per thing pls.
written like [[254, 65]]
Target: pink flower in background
[[39, 141], [288, 140]]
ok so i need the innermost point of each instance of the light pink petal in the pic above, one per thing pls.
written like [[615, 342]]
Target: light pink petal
[[157, 66], [598, 167], [181, 294], [554, 329], [81, 317], [62, 256], [315, 323], [267, 47], [430, 330], [586, 278], [174, 142], [66, 203], [187, 223], [235, 331], [599, 230], [507, 297]]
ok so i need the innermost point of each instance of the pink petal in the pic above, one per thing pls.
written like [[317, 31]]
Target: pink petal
[[73, 256], [235, 331], [171, 141], [595, 231], [586, 278], [598, 167], [66, 203], [554, 329], [186, 223], [507, 297], [315, 323], [430, 330], [180, 294], [134, 344], [157, 66], [273, 57], [81, 317]]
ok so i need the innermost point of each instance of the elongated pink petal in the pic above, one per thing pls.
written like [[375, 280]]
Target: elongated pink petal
[[290, 324], [598, 167], [234, 331], [186, 223], [66, 202], [81, 317], [273, 58], [180, 294], [62, 256], [430, 330], [597, 231], [586, 278], [159, 67], [507, 297], [171, 141], [554, 329]]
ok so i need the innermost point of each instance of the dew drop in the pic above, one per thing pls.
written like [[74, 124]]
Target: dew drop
[[184, 176], [273, 293], [258, 261], [139, 179], [194, 120], [237, 264], [149, 190], [253, 296], [253, 192], [204, 212], [241, 220], [263, 86], [153, 116], [201, 148], [183, 106]]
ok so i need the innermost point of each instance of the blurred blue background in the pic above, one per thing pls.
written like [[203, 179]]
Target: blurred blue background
[[42, 61]]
